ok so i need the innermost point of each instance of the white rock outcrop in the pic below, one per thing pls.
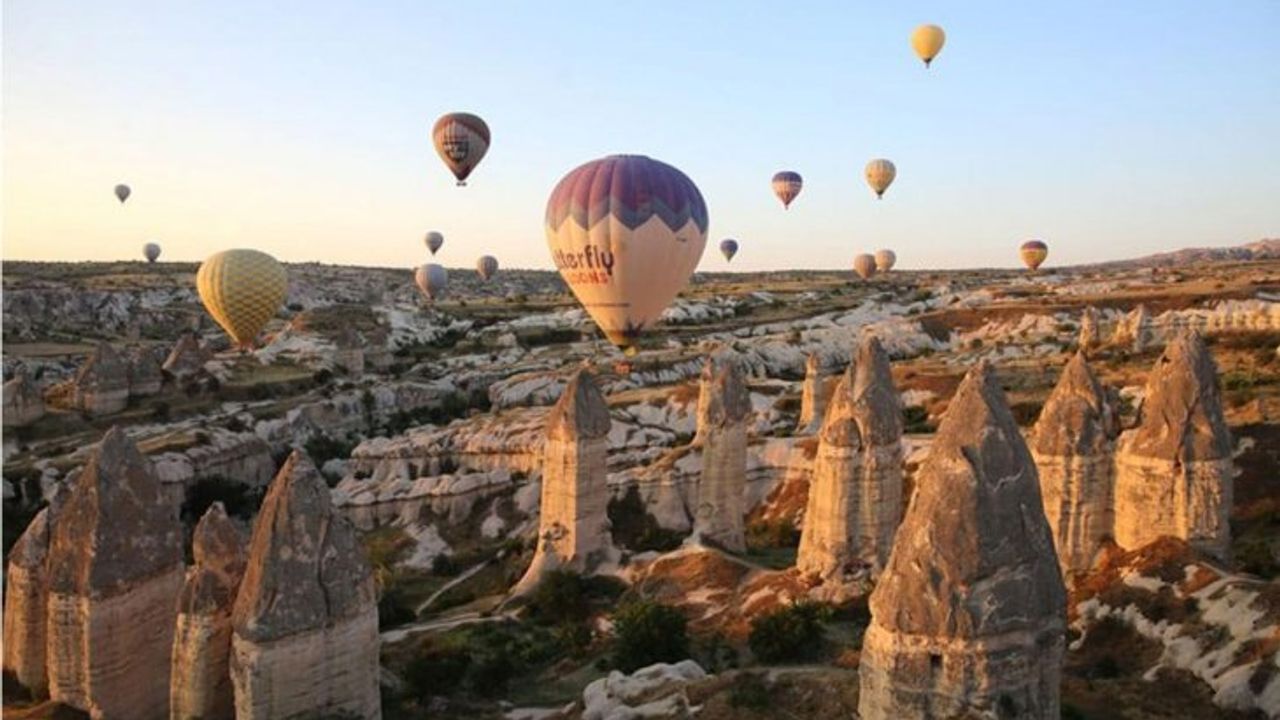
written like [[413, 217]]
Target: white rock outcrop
[[26, 599], [1090, 328], [815, 394], [23, 401], [101, 386], [724, 408]]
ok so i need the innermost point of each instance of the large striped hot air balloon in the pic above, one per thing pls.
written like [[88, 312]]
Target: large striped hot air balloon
[[461, 139], [626, 232], [151, 251], [728, 248], [786, 185], [885, 260], [880, 174], [865, 266], [432, 280], [927, 41], [123, 192], [242, 290], [1033, 253], [434, 241], [486, 266]]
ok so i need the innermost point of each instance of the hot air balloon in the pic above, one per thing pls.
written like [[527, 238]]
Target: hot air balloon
[[927, 41], [728, 248], [432, 280], [434, 240], [880, 174], [786, 185], [885, 260], [151, 251], [461, 140], [626, 232], [865, 266], [1033, 253], [123, 192], [242, 290], [487, 265]]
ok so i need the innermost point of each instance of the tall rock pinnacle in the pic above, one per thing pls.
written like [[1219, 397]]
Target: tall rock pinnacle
[[724, 407]]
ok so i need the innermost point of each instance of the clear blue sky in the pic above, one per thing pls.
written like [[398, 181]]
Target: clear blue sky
[[1110, 129]]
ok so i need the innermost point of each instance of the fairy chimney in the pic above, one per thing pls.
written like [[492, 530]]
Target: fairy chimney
[[101, 386], [814, 396], [23, 401], [724, 408]]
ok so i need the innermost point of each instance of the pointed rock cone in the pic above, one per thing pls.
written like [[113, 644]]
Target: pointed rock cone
[[968, 618], [818, 386], [724, 407], [115, 568], [1090, 329], [101, 386], [1174, 471], [1073, 446], [305, 623], [23, 401], [573, 524], [26, 596], [1140, 328], [855, 495], [200, 682]]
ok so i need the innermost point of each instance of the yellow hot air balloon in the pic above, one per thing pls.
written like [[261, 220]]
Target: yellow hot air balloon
[[242, 290], [1033, 253], [927, 41], [880, 174], [865, 266]]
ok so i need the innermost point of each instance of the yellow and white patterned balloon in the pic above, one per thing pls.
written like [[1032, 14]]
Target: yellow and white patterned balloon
[[242, 290]]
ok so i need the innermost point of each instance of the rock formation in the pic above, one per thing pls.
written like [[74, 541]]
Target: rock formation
[[26, 596], [305, 623], [724, 408], [145, 377], [115, 568], [1139, 333], [1073, 447], [855, 495], [350, 353], [186, 359], [101, 387], [818, 386], [200, 677], [23, 401], [573, 525], [1174, 471], [1090, 329], [968, 619]]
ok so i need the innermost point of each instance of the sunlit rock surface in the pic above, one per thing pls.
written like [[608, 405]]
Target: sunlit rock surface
[[724, 407]]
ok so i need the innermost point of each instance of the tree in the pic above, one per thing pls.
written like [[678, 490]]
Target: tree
[[648, 633]]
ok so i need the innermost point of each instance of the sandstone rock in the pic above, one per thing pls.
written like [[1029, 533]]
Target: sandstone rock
[[305, 622], [1174, 471], [200, 677], [115, 568], [242, 458], [1139, 328], [23, 401], [656, 691], [145, 377], [968, 618], [1090, 328], [101, 387], [818, 386], [1073, 447], [26, 597], [187, 358], [723, 410], [855, 495], [350, 352], [573, 525]]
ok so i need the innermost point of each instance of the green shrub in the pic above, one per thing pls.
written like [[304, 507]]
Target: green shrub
[[438, 671], [635, 529], [915, 419], [648, 633], [791, 634], [772, 534], [322, 449], [749, 691], [239, 500], [559, 598]]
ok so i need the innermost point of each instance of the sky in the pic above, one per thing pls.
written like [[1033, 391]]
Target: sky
[[1109, 129]]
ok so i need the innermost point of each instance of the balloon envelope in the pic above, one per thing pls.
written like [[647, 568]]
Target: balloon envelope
[[487, 265], [434, 241], [242, 290], [865, 266], [626, 232], [432, 280], [880, 174], [461, 140], [123, 192], [885, 260], [1033, 253], [151, 251], [728, 248], [927, 41], [786, 185]]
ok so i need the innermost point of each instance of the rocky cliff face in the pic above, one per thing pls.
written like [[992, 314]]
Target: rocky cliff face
[[724, 408], [23, 401], [241, 457], [1073, 445], [115, 568], [187, 358], [1174, 472], [349, 354], [102, 385], [573, 524], [200, 676], [855, 495], [969, 616], [145, 377], [26, 598], [305, 621]]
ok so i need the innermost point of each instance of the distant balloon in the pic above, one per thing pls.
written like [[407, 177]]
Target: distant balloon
[[626, 232], [123, 192], [786, 185], [242, 290], [434, 241], [487, 265], [927, 41], [432, 280], [461, 140], [1033, 253], [151, 251], [728, 248], [880, 174], [885, 260], [865, 266]]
